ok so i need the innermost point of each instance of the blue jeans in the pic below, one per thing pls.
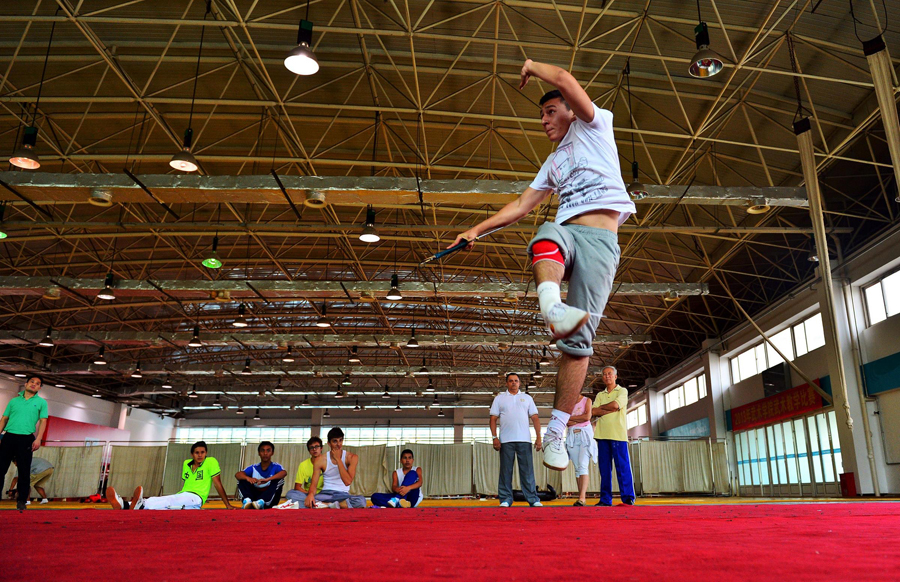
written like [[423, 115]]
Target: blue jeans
[[608, 452], [271, 495], [509, 452], [328, 496]]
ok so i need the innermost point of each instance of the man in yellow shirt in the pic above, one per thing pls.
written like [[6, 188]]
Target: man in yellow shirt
[[611, 434]]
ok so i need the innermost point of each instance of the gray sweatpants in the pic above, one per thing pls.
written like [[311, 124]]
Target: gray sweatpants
[[591, 258], [328, 496]]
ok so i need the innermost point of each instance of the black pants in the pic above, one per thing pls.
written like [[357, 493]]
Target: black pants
[[271, 494], [18, 447]]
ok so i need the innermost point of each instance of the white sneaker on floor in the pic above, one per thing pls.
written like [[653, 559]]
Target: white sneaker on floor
[[537, 504], [322, 505], [288, 505], [259, 504], [248, 503], [114, 499], [44, 501], [504, 504], [28, 502], [137, 498], [555, 455], [563, 320]]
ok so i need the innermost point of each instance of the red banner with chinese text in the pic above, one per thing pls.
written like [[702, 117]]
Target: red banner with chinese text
[[778, 407]]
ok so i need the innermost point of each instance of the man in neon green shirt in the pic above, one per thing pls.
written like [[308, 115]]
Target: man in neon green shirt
[[199, 473], [19, 442]]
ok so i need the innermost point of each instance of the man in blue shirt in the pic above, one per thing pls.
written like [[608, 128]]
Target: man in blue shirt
[[261, 484], [19, 442]]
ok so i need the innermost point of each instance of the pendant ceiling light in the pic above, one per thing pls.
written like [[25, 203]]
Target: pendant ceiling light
[[635, 188], [537, 372], [436, 401], [354, 356], [301, 60], [25, 157], [413, 342], [441, 413], [184, 160], [305, 401], [241, 321], [288, 357], [544, 361], [430, 387], [530, 384], [705, 63], [256, 416], [195, 340], [369, 233], [247, 371], [240, 410], [107, 294], [327, 414], [167, 384], [394, 292], [398, 409], [100, 358], [137, 371], [339, 394], [323, 320], [346, 381], [357, 408], [212, 260], [47, 342], [386, 394], [423, 370]]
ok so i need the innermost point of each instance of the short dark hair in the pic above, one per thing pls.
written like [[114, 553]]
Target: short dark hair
[[555, 94], [508, 374], [265, 444], [335, 433], [197, 445], [312, 440], [405, 451], [30, 376]]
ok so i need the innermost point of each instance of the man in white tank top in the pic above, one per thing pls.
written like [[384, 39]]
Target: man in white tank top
[[581, 246], [339, 470]]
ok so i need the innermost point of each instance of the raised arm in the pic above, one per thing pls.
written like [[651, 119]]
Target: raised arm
[[348, 472], [571, 90], [509, 214]]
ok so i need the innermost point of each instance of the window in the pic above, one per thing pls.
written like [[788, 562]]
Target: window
[[793, 342], [883, 298], [637, 416], [688, 393]]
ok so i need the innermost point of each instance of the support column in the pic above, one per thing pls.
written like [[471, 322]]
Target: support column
[[119, 416], [830, 320], [459, 421], [654, 406], [713, 370], [882, 75], [315, 424]]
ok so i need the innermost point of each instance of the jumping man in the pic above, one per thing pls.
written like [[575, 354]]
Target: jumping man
[[582, 245]]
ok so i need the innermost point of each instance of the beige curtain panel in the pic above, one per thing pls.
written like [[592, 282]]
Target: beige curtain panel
[[447, 469], [371, 470], [720, 468], [676, 467], [229, 457], [76, 471], [133, 466]]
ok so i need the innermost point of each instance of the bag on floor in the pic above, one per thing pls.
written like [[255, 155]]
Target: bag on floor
[[548, 495]]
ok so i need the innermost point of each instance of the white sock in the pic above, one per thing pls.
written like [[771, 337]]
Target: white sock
[[558, 420], [548, 296]]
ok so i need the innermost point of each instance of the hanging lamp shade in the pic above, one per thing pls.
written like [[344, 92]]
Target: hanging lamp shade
[[537, 372], [394, 291], [357, 408], [289, 356], [25, 156], [167, 384], [107, 294], [100, 359], [323, 320], [339, 394], [346, 381], [441, 413], [137, 371], [430, 387], [386, 394], [636, 189], [423, 370], [184, 160], [247, 371], [369, 233], [398, 409], [413, 342], [240, 321], [327, 414], [212, 260], [354, 356], [705, 62], [301, 60], [47, 342], [195, 340], [544, 361]]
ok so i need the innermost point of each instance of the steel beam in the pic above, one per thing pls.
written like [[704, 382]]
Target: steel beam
[[337, 372], [47, 188], [279, 289]]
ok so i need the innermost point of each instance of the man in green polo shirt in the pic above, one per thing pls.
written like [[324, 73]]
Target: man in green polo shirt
[[611, 433], [19, 441]]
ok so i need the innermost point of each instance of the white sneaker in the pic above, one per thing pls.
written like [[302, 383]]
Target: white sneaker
[[322, 505], [537, 504], [28, 502], [114, 499], [504, 504], [555, 455], [334, 505], [45, 501], [137, 498], [259, 504], [288, 505], [248, 504], [563, 320]]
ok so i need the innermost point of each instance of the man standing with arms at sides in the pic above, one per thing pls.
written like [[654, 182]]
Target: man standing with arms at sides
[[19, 442], [611, 433], [339, 469], [261, 484], [513, 409], [581, 246]]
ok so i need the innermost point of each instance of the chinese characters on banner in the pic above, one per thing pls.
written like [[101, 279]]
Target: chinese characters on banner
[[780, 406]]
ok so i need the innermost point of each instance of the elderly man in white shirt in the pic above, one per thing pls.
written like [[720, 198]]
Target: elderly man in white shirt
[[513, 409]]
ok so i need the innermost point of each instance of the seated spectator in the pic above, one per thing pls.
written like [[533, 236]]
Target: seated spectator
[[41, 469], [406, 486], [199, 473], [261, 484], [297, 496], [339, 469]]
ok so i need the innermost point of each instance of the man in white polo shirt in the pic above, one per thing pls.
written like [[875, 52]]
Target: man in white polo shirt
[[611, 433], [513, 409]]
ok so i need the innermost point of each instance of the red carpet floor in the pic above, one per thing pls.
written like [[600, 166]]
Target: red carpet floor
[[835, 541]]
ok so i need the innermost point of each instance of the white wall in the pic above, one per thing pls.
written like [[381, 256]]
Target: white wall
[[63, 403]]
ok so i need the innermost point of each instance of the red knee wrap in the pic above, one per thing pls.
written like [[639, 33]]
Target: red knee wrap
[[546, 250]]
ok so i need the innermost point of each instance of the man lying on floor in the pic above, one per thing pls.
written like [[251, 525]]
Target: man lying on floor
[[261, 484], [406, 487], [199, 474]]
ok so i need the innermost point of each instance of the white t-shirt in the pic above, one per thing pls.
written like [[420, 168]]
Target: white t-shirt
[[584, 171], [514, 412]]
